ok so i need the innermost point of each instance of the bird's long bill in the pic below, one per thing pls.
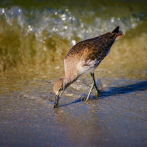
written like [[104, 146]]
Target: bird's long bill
[[57, 97]]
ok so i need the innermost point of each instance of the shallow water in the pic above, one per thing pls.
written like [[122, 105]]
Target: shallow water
[[34, 38], [116, 118]]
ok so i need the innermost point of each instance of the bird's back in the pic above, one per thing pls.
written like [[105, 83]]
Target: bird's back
[[98, 47], [94, 49]]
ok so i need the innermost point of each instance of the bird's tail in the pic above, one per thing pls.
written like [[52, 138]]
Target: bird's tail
[[116, 30], [119, 33]]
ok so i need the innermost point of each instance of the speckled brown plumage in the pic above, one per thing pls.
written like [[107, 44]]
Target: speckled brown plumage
[[97, 47]]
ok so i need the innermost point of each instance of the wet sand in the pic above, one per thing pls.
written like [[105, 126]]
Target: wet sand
[[34, 39], [116, 118]]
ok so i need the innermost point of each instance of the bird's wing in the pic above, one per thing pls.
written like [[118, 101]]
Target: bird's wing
[[98, 49], [94, 48]]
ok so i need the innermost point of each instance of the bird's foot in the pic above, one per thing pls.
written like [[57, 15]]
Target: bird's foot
[[83, 98], [56, 105], [86, 99], [98, 92]]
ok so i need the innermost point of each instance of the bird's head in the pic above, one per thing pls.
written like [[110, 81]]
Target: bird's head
[[59, 87]]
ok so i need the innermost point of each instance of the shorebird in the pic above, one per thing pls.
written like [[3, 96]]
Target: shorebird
[[83, 58]]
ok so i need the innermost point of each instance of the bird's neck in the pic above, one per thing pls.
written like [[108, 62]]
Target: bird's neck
[[67, 80]]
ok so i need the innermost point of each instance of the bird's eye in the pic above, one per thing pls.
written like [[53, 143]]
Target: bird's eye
[[60, 89]]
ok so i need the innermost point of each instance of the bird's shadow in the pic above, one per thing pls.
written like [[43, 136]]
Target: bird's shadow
[[139, 86]]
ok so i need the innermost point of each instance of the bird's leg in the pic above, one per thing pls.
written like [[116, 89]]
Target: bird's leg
[[98, 91], [92, 85]]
